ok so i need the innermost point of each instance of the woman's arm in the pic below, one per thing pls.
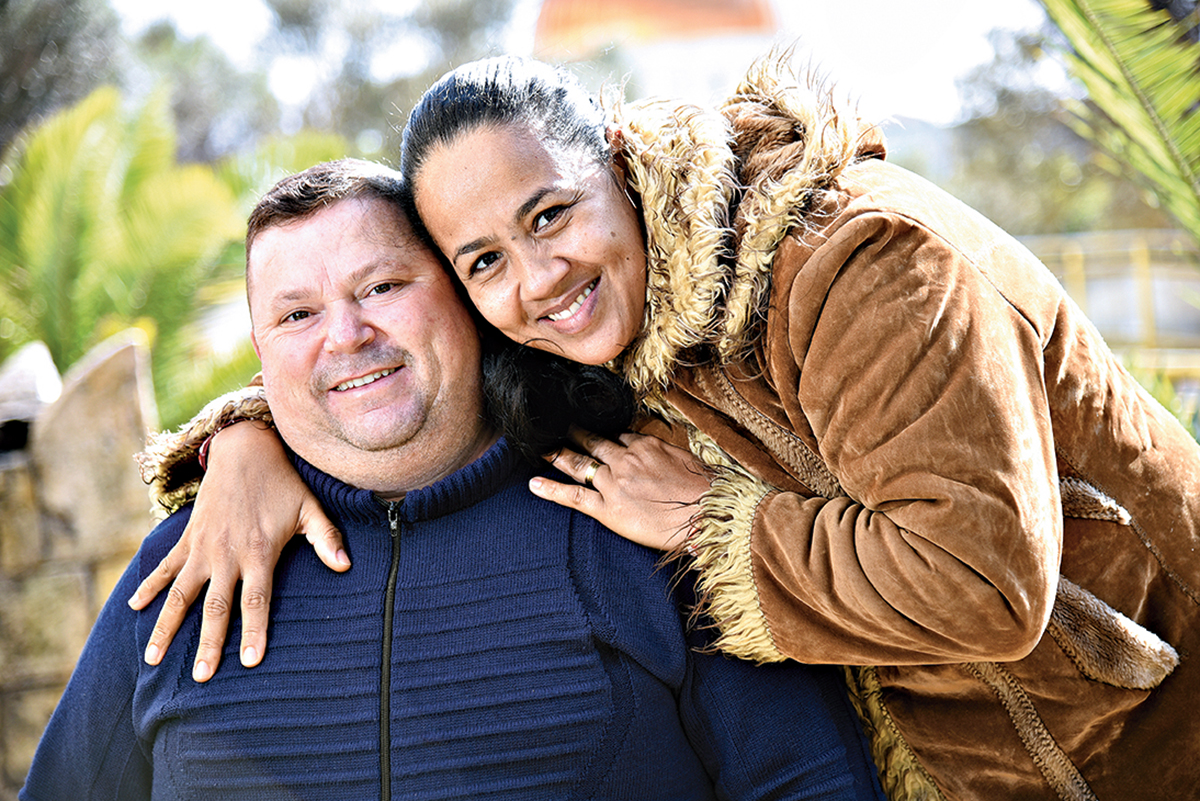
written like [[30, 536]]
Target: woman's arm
[[922, 384], [250, 503]]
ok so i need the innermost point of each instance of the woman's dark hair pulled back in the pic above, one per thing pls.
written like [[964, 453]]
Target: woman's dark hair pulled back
[[496, 92]]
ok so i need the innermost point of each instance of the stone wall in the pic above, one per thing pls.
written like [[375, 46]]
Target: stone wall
[[73, 510]]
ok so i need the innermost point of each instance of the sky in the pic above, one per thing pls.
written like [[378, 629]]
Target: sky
[[896, 58]]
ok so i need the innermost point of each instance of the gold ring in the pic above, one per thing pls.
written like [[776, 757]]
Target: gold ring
[[590, 475]]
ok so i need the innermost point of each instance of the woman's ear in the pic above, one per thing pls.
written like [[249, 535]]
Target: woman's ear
[[616, 144]]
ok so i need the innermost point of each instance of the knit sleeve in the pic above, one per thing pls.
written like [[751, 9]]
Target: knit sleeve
[[774, 731], [90, 748]]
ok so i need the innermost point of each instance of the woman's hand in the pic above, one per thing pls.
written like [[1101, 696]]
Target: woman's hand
[[639, 486], [264, 505]]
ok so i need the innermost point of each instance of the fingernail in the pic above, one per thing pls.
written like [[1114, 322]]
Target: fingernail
[[135, 599], [152, 654], [202, 672], [535, 484], [341, 558], [250, 656]]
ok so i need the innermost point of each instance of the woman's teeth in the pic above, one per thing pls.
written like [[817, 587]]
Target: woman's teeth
[[574, 307], [362, 382]]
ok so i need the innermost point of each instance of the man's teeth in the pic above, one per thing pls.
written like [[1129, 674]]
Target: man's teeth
[[574, 307], [362, 382]]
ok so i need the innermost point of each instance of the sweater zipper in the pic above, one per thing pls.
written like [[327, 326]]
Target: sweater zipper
[[385, 668]]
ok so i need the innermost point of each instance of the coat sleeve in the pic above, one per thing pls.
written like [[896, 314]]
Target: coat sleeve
[[170, 463], [90, 748], [923, 386]]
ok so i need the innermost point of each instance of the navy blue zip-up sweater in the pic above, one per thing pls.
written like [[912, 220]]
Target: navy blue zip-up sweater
[[526, 653]]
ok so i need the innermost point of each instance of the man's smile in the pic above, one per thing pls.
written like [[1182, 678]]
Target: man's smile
[[362, 381]]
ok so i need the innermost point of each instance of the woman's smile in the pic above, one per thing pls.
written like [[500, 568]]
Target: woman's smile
[[577, 304]]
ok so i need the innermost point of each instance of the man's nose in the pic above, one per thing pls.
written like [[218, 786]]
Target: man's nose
[[347, 329]]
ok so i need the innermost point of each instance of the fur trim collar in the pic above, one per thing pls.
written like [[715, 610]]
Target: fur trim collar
[[719, 190]]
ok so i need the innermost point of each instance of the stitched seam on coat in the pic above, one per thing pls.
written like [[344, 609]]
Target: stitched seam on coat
[[1141, 535], [1053, 763], [789, 447]]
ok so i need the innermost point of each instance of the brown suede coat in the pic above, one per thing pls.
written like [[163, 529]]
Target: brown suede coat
[[929, 463]]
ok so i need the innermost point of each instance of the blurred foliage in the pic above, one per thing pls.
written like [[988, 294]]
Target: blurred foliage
[[102, 229], [218, 108], [1018, 161], [1164, 390], [1139, 61], [359, 66], [52, 53]]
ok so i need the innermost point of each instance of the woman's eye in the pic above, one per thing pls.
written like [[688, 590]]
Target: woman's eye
[[482, 263], [546, 217]]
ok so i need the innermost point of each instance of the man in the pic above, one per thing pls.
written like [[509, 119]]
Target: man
[[485, 644]]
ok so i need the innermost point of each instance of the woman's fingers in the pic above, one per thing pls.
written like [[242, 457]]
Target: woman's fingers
[[213, 626], [160, 578], [256, 604], [573, 496], [641, 487], [323, 535], [582, 467], [601, 448], [183, 591]]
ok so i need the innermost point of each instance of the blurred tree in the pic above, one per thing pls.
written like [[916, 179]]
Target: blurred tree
[[1139, 61], [52, 53], [385, 59], [1018, 161], [101, 229], [218, 107]]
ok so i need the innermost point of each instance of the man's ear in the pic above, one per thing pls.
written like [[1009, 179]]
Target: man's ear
[[254, 342]]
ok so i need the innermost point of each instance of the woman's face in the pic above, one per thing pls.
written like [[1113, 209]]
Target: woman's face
[[545, 240]]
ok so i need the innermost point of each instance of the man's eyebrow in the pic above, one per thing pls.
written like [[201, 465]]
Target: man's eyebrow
[[293, 295], [529, 205]]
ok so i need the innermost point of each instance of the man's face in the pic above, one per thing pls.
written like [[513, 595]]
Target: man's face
[[365, 345]]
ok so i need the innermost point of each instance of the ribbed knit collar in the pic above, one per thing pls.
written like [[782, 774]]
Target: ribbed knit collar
[[500, 466]]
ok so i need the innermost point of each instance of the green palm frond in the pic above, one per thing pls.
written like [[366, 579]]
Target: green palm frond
[[1140, 65]]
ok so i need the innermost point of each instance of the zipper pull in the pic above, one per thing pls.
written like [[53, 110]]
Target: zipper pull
[[394, 518]]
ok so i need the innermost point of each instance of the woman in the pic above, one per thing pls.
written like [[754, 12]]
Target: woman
[[919, 455]]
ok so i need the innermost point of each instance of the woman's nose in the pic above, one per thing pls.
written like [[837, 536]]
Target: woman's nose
[[541, 276]]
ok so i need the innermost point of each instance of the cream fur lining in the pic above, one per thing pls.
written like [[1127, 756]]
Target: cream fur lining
[[771, 207], [705, 286], [720, 549], [681, 166]]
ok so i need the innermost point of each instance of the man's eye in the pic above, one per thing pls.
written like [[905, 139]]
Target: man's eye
[[482, 263], [546, 217], [380, 289], [296, 316]]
